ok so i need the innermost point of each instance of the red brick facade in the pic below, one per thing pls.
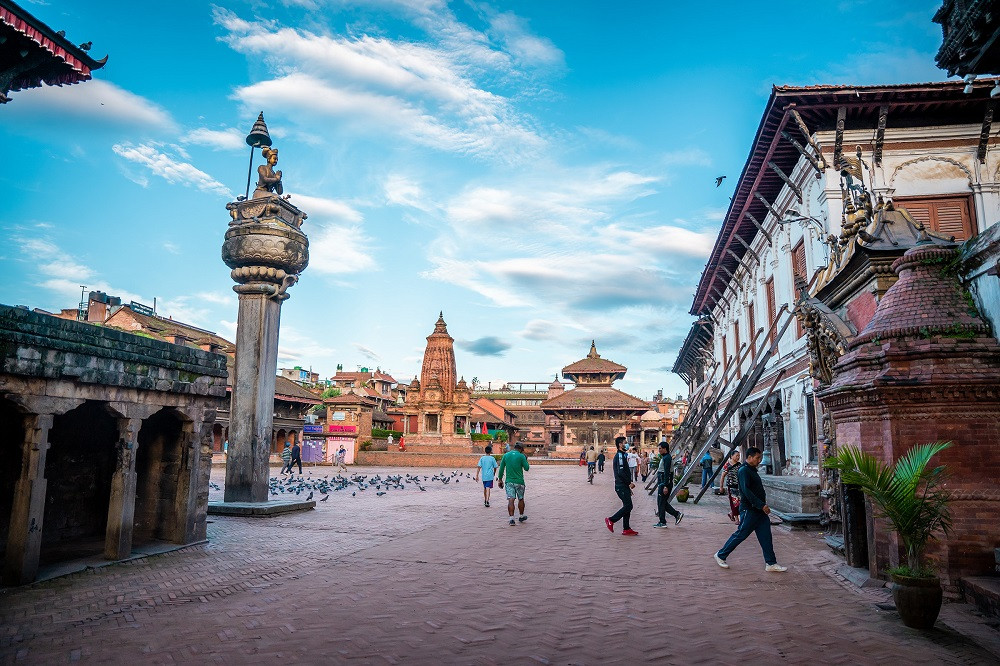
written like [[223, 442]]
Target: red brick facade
[[924, 369]]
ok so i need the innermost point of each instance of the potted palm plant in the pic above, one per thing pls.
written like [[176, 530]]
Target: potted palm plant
[[909, 495]]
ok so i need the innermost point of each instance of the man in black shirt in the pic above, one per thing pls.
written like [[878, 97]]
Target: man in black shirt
[[296, 457], [664, 484], [623, 487], [753, 515]]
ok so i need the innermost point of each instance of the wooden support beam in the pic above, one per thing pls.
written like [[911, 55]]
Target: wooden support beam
[[731, 276], [788, 181], [768, 204], [748, 248], [819, 162], [984, 134], [838, 142], [816, 164], [760, 228], [883, 114]]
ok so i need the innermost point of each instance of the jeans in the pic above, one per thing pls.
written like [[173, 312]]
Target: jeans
[[663, 506], [625, 495], [295, 461], [706, 476], [752, 520]]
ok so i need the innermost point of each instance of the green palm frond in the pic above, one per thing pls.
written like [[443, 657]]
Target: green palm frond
[[907, 493]]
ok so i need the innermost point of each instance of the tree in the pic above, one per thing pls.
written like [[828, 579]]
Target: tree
[[329, 393]]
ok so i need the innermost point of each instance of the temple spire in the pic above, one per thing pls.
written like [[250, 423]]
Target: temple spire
[[593, 350]]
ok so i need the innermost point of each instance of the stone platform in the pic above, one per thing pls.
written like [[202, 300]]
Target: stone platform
[[792, 494], [434, 459], [259, 509]]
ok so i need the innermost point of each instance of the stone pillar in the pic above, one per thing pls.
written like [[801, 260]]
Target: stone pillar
[[266, 251], [121, 507], [24, 539]]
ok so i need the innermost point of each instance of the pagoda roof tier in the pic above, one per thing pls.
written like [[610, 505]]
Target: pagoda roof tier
[[595, 397], [33, 54], [594, 364]]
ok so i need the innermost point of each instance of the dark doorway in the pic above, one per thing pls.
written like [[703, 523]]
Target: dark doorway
[[11, 445], [79, 466], [158, 466]]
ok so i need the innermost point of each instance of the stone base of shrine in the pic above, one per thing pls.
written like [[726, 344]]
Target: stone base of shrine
[[792, 494], [443, 460], [259, 509]]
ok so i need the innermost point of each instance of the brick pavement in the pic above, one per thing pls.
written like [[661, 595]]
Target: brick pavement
[[433, 577]]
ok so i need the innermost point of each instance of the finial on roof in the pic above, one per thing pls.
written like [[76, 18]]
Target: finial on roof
[[593, 350], [441, 326]]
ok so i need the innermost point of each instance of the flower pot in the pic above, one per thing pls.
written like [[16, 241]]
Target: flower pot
[[683, 494], [918, 600]]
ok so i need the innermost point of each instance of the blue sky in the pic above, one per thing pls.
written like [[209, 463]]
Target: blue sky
[[541, 171]]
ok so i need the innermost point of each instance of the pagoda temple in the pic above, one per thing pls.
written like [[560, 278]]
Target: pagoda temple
[[593, 412], [437, 407]]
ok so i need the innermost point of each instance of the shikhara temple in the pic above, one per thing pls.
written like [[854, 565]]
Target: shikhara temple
[[32, 54]]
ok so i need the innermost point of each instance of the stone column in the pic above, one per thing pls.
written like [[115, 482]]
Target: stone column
[[24, 539], [266, 251], [121, 508]]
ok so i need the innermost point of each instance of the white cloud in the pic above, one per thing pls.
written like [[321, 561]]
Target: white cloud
[[229, 138], [338, 248], [401, 190], [320, 207], [169, 167], [171, 247], [95, 101], [524, 46], [428, 93]]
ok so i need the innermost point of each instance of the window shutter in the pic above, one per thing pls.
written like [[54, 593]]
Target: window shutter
[[771, 308], [948, 216]]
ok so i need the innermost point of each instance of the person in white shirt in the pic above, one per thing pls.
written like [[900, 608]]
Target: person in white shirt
[[633, 464]]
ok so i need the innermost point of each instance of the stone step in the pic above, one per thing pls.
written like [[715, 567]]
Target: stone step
[[984, 592]]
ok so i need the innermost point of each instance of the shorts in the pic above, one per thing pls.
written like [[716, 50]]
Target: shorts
[[488, 484], [514, 490]]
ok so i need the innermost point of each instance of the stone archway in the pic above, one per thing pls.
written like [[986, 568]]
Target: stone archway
[[79, 468], [159, 468], [11, 452]]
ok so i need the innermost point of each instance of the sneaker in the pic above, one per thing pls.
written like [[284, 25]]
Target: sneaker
[[721, 562], [487, 505], [677, 520], [511, 521], [629, 533], [660, 525], [775, 567], [611, 525], [522, 519]]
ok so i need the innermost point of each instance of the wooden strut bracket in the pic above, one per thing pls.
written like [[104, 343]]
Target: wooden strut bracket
[[769, 206], [817, 164], [984, 134], [788, 181], [883, 114], [748, 248], [838, 143], [760, 227]]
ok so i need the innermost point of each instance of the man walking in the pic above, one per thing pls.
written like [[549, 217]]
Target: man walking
[[286, 459], [753, 515], [633, 463], [515, 464], [488, 466], [623, 488], [706, 468], [664, 484], [296, 458], [341, 458], [591, 464], [600, 462]]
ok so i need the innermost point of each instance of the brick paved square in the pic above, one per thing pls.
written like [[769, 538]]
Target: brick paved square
[[433, 577]]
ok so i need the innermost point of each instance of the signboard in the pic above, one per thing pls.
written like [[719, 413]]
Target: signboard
[[312, 429], [337, 416], [312, 450], [139, 308], [342, 428]]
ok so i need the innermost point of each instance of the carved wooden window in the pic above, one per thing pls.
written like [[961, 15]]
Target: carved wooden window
[[751, 330], [771, 308], [725, 356], [736, 347], [798, 273], [948, 216]]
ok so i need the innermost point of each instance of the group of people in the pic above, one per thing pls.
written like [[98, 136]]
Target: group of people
[[291, 455], [747, 498]]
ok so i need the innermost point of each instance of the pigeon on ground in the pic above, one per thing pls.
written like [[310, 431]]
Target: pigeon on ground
[[325, 498], [310, 496], [380, 493]]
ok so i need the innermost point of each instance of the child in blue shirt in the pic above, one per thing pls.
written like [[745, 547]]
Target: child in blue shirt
[[488, 465]]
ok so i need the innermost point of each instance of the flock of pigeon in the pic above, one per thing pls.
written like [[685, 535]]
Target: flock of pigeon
[[326, 485]]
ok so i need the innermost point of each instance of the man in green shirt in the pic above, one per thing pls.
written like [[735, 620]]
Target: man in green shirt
[[514, 464]]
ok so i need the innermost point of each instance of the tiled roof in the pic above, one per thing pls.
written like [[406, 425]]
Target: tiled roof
[[593, 363], [595, 397], [287, 389], [349, 399]]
